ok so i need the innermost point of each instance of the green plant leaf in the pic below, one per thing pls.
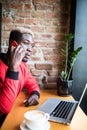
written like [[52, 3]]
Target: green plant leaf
[[71, 56]]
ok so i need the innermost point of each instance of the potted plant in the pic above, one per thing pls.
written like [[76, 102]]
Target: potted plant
[[64, 83]]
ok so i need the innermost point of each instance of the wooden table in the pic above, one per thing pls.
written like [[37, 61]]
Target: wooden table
[[15, 117]]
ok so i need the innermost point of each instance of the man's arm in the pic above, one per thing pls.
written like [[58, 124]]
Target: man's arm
[[8, 90], [33, 90]]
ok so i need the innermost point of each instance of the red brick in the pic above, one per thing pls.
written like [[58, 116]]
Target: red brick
[[38, 1], [5, 34], [12, 6], [31, 21], [43, 66], [7, 20], [30, 66], [36, 28], [60, 23], [60, 37], [24, 14], [52, 2], [44, 7], [18, 7], [47, 52], [53, 73], [35, 58], [50, 79], [47, 44], [52, 57], [36, 72], [9, 27], [46, 36], [50, 15], [38, 14], [50, 86], [19, 20], [53, 29], [63, 8], [27, 7]]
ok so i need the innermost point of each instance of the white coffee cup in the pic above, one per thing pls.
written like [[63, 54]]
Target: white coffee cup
[[35, 119]]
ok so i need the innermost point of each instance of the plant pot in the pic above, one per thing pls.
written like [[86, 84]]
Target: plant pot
[[64, 88]]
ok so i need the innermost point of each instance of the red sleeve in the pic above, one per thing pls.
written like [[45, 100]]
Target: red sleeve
[[9, 85], [8, 89]]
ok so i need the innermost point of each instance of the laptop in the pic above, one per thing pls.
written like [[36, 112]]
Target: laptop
[[60, 110]]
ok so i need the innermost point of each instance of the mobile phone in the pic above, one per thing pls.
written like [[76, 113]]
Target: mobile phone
[[14, 43]]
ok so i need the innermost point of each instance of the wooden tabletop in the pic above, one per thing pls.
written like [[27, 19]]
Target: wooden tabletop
[[16, 116]]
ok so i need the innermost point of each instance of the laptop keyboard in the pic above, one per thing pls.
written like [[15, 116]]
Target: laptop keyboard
[[62, 110]]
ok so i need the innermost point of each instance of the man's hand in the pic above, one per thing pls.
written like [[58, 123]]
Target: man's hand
[[32, 100], [17, 54]]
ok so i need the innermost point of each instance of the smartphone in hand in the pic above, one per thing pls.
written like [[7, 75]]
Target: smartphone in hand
[[14, 43]]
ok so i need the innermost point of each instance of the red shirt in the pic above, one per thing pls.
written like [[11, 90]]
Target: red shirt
[[11, 84]]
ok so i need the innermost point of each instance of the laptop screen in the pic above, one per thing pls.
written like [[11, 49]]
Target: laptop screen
[[83, 103], [83, 95]]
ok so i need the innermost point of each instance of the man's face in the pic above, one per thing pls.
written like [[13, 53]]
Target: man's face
[[28, 44]]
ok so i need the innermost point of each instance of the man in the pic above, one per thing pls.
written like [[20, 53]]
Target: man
[[14, 75]]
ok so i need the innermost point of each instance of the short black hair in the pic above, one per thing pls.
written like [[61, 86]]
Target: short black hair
[[15, 35]]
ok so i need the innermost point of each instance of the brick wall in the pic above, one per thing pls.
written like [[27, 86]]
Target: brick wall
[[49, 20]]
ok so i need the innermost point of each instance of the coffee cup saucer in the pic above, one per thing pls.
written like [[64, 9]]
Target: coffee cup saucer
[[24, 127]]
